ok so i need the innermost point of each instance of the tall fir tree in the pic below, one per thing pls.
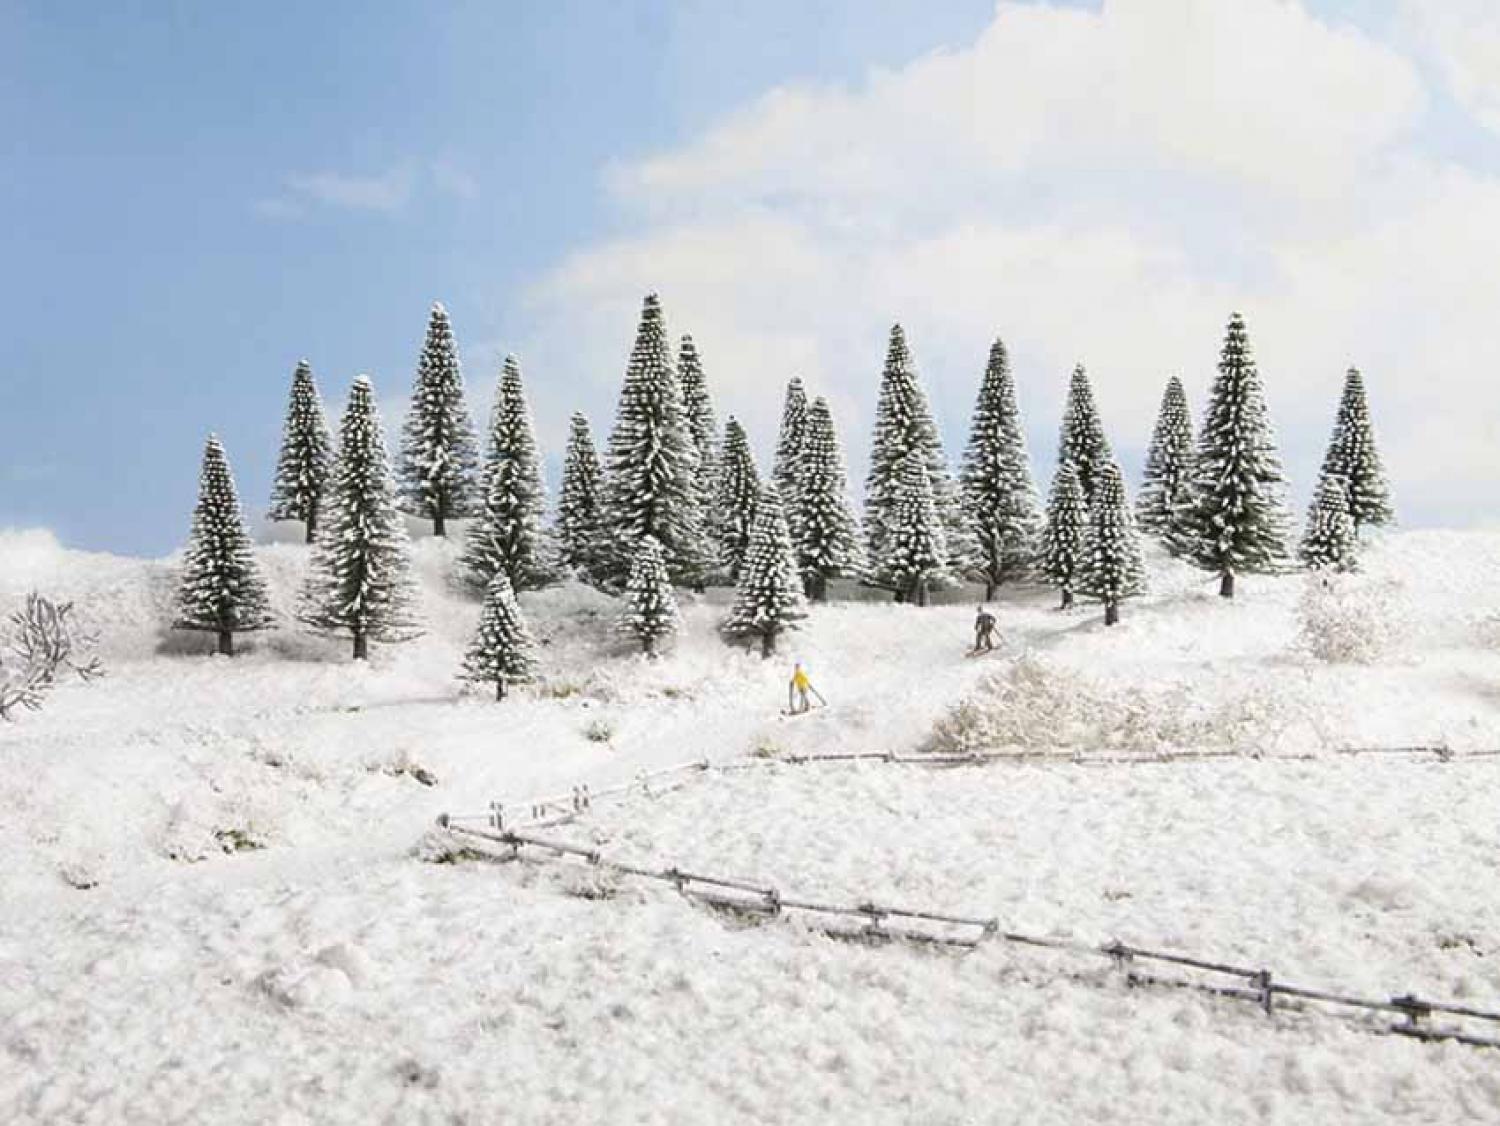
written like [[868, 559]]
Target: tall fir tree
[[917, 551], [1330, 541], [439, 456], [789, 440], [581, 540], [222, 591], [769, 599], [503, 651], [360, 579], [651, 462], [826, 536], [1082, 440], [1236, 522], [734, 506], [703, 427], [904, 425], [650, 611], [508, 535], [306, 454], [1063, 554], [1113, 570], [1353, 457], [999, 497], [1167, 485]]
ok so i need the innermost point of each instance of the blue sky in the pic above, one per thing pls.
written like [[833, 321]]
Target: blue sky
[[200, 194]]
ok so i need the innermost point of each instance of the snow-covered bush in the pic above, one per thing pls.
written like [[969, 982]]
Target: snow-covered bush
[[1350, 619], [599, 731], [1038, 705]]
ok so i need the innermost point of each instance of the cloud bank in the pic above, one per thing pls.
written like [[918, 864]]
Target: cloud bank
[[1098, 187]]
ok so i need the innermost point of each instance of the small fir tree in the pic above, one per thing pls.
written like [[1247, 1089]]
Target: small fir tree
[[734, 507], [1353, 457], [1112, 569], [306, 454], [904, 425], [789, 442], [439, 452], [1330, 541], [769, 599], [222, 591], [1063, 539], [503, 651], [580, 530], [1236, 522], [1167, 486], [650, 612], [651, 462], [508, 535], [360, 579], [702, 424], [1082, 440], [998, 493], [825, 536], [917, 551]]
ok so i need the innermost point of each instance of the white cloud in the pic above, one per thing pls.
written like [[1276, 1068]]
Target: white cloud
[[386, 191], [1463, 37], [1100, 187]]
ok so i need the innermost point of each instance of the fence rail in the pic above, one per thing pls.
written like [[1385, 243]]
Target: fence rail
[[885, 923]]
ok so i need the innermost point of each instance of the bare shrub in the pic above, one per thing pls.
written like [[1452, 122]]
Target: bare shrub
[[43, 642]]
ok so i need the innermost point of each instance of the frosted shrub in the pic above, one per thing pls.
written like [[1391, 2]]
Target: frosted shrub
[[1349, 619]]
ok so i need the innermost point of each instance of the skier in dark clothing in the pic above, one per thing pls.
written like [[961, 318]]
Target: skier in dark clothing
[[984, 631]]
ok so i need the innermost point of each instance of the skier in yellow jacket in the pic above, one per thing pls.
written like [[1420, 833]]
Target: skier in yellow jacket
[[799, 689]]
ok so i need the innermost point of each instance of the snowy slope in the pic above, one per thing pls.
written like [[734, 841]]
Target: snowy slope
[[330, 976]]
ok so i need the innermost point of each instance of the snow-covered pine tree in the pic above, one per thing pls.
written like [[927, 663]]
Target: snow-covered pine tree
[[439, 452], [769, 598], [998, 493], [580, 531], [703, 427], [734, 506], [508, 534], [1352, 457], [651, 462], [503, 651], [1330, 541], [1166, 487], [1112, 570], [1063, 538], [1236, 520], [826, 536], [650, 612], [1082, 440], [222, 591], [360, 578], [916, 550], [789, 441], [306, 454], [904, 425]]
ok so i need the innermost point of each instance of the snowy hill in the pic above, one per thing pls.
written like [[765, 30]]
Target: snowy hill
[[213, 911]]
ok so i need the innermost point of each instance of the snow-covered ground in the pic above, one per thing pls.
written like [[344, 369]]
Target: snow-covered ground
[[149, 972]]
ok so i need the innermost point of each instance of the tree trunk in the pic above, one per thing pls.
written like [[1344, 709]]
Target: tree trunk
[[226, 643], [648, 646], [900, 595], [311, 525], [499, 688], [361, 646], [1111, 613], [1067, 599], [920, 593], [990, 586], [768, 644], [1226, 585], [439, 525], [817, 588]]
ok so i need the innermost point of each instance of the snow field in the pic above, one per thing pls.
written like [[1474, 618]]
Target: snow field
[[329, 976]]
